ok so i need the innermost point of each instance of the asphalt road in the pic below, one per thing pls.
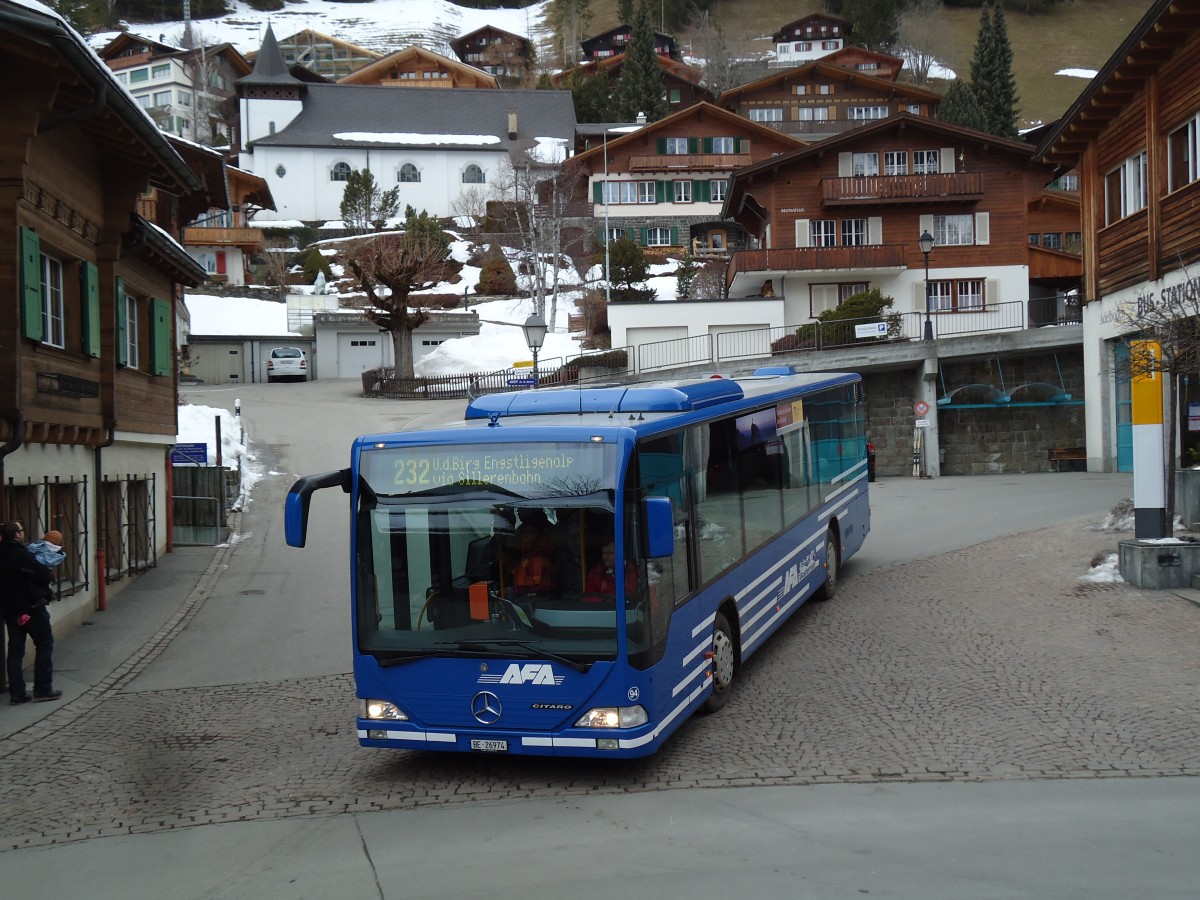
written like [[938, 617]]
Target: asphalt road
[[966, 719]]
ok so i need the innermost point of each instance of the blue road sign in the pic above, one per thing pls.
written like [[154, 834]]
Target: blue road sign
[[522, 382], [190, 455]]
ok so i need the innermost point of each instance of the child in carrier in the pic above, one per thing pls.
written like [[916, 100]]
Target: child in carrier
[[48, 551]]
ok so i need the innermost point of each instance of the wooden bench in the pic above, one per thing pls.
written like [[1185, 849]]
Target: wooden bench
[[1075, 457]]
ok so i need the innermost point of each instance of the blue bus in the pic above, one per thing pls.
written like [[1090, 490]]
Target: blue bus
[[574, 572]]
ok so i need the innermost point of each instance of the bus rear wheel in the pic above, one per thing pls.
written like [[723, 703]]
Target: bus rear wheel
[[829, 588], [724, 664]]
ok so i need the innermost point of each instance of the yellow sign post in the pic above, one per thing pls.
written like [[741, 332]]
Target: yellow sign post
[[1149, 461]]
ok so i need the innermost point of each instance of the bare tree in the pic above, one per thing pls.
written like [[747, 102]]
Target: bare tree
[[722, 69], [921, 32], [390, 267], [275, 254], [538, 196], [1172, 320], [470, 207]]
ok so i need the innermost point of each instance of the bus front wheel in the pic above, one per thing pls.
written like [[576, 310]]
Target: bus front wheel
[[723, 664], [829, 588]]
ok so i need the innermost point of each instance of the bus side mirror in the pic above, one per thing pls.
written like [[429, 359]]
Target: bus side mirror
[[660, 527], [295, 509]]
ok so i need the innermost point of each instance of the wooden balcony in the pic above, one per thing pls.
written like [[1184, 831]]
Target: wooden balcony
[[198, 236], [661, 162], [876, 189], [1047, 264], [811, 259], [809, 128]]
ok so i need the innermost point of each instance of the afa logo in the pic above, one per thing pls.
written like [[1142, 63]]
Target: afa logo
[[529, 673], [801, 570]]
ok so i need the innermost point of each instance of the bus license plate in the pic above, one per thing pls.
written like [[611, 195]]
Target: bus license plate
[[490, 746]]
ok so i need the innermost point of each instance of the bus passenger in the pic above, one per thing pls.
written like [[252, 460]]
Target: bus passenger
[[534, 569], [602, 579]]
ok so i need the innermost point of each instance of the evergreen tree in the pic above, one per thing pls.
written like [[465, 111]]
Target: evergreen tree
[[959, 107], [593, 97], [874, 23], [627, 271], [640, 87], [364, 204], [684, 276], [992, 79]]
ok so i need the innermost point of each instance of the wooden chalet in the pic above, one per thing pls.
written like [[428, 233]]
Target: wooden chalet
[[416, 67], [88, 377], [869, 62], [508, 56], [809, 38], [615, 42], [666, 181], [327, 56], [680, 81], [834, 218], [1133, 137], [822, 99]]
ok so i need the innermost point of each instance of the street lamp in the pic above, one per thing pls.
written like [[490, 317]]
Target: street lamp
[[535, 334], [926, 242], [607, 233]]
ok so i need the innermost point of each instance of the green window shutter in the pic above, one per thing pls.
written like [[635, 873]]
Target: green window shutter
[[89, 291], [700, 191], [661, 145], [693, 145], [707, 145], [122, 350], [31, 285], [737, 145], [674, 235], [598, 192], [160, 325], [642, 239], [660, 192]]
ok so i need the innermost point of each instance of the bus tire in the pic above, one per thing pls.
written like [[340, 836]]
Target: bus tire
[[724, 665], [832, 569]]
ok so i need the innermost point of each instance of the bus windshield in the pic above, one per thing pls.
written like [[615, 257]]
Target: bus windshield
[[492, 549]]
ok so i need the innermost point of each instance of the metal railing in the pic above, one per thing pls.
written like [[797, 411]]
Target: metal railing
[[679, 352], [1008, 316]]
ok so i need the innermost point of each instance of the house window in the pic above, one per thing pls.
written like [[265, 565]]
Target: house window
[[1052, 241], [866, 163], [824, 88], [813, 113], [970, 293], [658, 237], [1183, 149], [162, 98], [615, 234], [914, 108], [628, 192], [854, 232], [1125, 188], [683, 192], [866, 66], [862, 113], [723, 145], [716, 191], [160, 71], [766, 114], [1065, 183], [123, 77], [801, 89], [950, 231], [472, 174], [675, 96], [926, 162], [941, 296], [1073, 242], [52, 302], [677, 146], [895, 162], [409, 174], [829, 45], [645, 192], [846, 291], [184, 98], [137, 76], [131, 331], [143, 101], [340, 172], [823, 233]]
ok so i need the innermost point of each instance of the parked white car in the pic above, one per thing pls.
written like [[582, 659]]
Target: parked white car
[[287, 364]]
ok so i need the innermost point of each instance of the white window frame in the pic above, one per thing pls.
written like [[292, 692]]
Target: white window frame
[[676, 146], [658, 236], [131, 331], [954, 231], [866, 113], [470, 169], [941, 296], [895, 162], [1183, 154], [646, 192], [766, 114], [411, 169], [926, 162], [1126, 188], [716, 190], [53, 321], [822, 233], [970, 293], [161, 98], [683, 191], [340, 171], [854, 232], [724, 144]]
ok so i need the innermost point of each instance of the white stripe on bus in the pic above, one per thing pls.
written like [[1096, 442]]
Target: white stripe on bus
[[671, 717], [687, 678], [432, 737]]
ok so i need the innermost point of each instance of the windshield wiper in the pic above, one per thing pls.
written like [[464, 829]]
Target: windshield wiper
[[487, 644], [389, 661]]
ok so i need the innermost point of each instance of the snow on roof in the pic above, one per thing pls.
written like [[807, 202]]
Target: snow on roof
[[408, 137], [236, 316], [548, 149]]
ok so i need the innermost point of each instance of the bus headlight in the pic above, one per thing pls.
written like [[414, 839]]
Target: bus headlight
[[380, 709], [613, 717]]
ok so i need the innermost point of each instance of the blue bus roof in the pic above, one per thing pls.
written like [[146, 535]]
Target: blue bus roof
[[684, 395]]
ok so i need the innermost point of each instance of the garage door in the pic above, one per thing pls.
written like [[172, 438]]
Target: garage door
[[661, 346], [359, 352]]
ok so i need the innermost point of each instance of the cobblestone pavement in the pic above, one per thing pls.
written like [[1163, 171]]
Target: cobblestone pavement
[[992, 662]]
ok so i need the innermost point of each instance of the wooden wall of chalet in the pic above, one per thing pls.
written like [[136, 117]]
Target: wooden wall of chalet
[[844, 91], [1163, 236], [1008, 184], [761, 145], [65, 192]]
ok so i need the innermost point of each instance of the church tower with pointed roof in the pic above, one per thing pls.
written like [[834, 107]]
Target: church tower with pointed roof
[[270, 97]]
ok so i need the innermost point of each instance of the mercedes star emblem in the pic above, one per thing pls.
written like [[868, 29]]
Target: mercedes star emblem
[[486, 708]]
